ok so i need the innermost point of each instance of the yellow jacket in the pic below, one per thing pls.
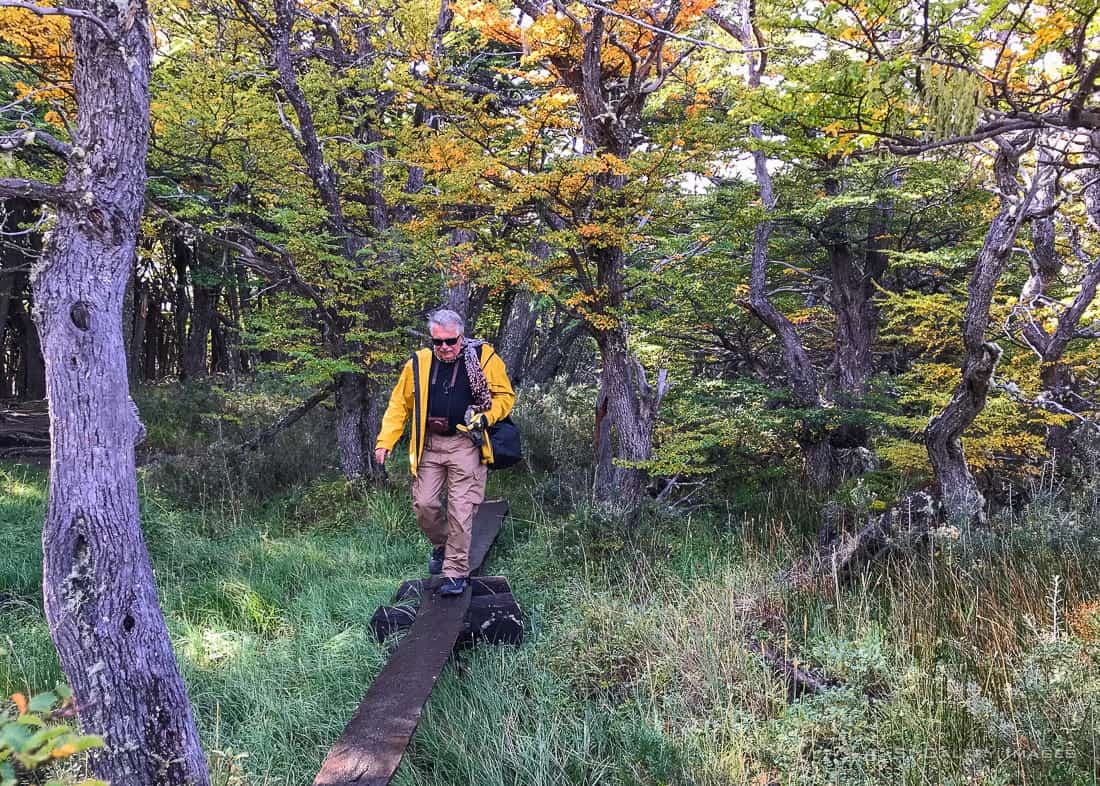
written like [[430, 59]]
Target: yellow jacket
[[410, 396]]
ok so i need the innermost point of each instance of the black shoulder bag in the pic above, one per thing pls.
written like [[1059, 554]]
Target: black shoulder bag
[[504, 439]]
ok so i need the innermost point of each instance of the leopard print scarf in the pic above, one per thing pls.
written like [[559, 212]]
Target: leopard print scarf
[[479, 387]]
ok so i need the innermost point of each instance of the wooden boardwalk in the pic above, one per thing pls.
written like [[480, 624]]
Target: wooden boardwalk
[[371, 747]]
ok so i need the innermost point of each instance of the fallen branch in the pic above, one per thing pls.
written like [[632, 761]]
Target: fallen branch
[[839, 557], [799, 680], [289, 419]]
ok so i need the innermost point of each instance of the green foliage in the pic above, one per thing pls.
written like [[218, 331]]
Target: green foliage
[[194, 433], [635, 668], [611, 651], [33, 737]]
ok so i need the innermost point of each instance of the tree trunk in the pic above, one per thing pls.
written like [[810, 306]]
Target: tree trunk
[[151, 350], [957, 488], [194, 362], [818, 459], [631, 415], [1057, 381], [234, 355], [136, 354], [377, 399], [100, 596], [195, 353], [554, 348], [820, 465], [851, 367], [33, 367], [181, 308], [352, 402], [515, 335], [5, 310], [517, 326]]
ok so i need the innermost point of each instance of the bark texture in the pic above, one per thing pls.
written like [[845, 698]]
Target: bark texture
[[957, 488], [100, 597], [819, 458]]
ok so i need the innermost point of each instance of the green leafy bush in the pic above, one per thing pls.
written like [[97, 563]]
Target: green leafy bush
[[33, 738], [192, 448]]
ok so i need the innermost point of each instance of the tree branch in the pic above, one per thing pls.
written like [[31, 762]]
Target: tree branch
[[289, 419], [34, 189], [25, 138], [663, 31], [73, 13]]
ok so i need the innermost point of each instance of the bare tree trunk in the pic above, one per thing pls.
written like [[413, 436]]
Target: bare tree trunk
[[234, 353], [195, 352], [852, 289], [1057, 382], [33, 383], [5, 310], [195, 357], [631, 416], [100, 596], [354, 392], [153, 330], [851, 367], [17, 255], [555, 347], [820, 464], [456, 287], [957, 488], [518, 324], [135, 342], [515, 335], [354, 444], [264, 436], [182, 258], [136, 360]]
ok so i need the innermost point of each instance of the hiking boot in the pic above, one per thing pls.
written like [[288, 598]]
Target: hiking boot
[[435, 562], [454, 586]]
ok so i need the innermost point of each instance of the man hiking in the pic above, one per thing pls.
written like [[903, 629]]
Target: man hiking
[[454, 392]]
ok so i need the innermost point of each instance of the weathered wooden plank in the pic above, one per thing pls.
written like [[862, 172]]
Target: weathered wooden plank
[[490, 515], [371, 747]]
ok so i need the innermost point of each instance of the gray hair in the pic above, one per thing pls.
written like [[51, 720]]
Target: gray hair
[[445, 318]]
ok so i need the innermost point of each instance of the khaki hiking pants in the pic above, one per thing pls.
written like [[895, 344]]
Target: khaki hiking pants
[[453, 463]]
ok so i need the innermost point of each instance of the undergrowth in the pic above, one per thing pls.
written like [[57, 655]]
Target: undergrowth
[[972, 657]]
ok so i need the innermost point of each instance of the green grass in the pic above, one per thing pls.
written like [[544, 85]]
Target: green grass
[[963, 662]]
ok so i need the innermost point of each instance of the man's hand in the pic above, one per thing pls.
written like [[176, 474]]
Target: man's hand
[[380, 456], [477, 420]]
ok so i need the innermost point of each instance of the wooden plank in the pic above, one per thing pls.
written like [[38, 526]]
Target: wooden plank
[[490, 515], [371, 747]]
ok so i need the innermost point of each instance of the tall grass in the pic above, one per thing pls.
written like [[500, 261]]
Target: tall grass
[[971, 658]]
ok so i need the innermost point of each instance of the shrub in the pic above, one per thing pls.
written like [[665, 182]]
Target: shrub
[[33, 739], [556, 425], [193, 438]]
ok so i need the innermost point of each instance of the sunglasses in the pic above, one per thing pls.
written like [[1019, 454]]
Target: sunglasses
[[448, 341]]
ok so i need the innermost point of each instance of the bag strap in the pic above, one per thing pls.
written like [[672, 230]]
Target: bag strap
[[454, 373], [481, 351]]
